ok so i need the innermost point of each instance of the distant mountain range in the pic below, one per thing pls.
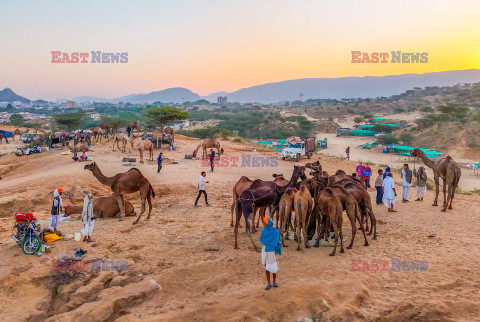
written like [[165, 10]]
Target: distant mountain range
[[289, 90], [7, 95]]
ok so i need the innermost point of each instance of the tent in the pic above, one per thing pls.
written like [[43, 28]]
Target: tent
[[377, 119], [265, 142], [405, 150], [6, 133], [358, 132], [367, 126]]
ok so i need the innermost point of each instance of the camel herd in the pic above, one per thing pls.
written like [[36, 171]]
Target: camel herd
[[306, 204]]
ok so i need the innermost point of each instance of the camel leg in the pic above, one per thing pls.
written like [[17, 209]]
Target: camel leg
[[444, 196], [373, 223], [298, 230], [237, 221], [305, 224], [351, 217], [454, 187], [319, 229], [141, 155], [437, 190], [113, 146], [232, 208], [282, 223], [247, 224], [121, 205], [142, 200], [149, 200], [335, 227]]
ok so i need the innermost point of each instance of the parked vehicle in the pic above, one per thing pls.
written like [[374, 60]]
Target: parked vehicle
[[297, 148], [26, 233]]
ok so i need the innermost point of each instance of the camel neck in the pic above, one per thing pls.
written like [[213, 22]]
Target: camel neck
[[103, 179], [429, 163]]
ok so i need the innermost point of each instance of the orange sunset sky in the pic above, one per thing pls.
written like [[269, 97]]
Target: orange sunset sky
[[210, 46]]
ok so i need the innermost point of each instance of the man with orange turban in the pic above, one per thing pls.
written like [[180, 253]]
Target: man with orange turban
[[272, 246]]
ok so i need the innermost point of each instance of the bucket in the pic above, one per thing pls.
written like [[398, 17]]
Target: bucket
[[78, 236]]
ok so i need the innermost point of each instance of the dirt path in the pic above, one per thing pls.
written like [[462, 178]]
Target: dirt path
[[182, 265]]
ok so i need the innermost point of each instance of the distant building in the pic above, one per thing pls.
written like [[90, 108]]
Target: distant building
[[301, 97], [221, 100], [69, 104]]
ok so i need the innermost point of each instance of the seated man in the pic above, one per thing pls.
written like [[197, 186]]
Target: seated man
[[75, 155], [29, 151]]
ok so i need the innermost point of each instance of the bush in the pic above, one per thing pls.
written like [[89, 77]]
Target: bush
[[406, 138], [387, 139], [427, 109], [237, 139], [358, 119]]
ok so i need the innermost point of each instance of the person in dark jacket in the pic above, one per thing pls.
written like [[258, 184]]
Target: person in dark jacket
[[129, 130], [159, 162], [212, 159]]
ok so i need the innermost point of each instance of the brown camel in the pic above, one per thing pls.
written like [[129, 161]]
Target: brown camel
[[285, 208], [365, 205], [19, 133], [2, 136], [134, 125], [143, 145], [350, 205], [125, 183], [330, 206], [448, 170], [103, 207], [81, 146], [120, 137], [341, 175], [107, 128], [315, 166], [261, 194], [302, 202], [97, 133], [208, 143], [168, 130]]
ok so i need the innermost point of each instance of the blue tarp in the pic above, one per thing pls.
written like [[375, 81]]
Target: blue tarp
[[6, 133]]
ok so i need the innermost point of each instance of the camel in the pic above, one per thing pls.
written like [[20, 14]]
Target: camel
[[120, 137], [143, 145], [365, 205], [19, 133], [103, 207], [208, 143], [134, 125], [97, 133], [330, 206], [341, 175], [285, 208], [448, 170], [81, 146], [261, 194], [350, 205], [106, 127], [2, 136], [302, 202], [168, 130], [125, 183], [315, 166]]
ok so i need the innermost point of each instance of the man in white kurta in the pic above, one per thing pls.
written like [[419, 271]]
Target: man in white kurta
[[88, 218], [389, 192]]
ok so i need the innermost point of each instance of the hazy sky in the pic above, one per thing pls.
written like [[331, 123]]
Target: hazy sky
[[210, 46]]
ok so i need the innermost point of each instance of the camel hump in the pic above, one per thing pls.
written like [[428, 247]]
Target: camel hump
[[135, 169], [340, 171], [448, 158], [329, 191], [244, 178], [290, 190]]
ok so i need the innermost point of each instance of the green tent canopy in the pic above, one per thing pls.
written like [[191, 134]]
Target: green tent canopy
[[358, 132]]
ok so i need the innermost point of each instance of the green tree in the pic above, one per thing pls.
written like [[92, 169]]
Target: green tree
[[407, 138], [17, 120], [70, 121], [427, 109], [10, 108], [387, 139], [358, 119], [161, 116]]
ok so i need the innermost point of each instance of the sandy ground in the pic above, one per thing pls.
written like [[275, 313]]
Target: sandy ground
[[182, 265]]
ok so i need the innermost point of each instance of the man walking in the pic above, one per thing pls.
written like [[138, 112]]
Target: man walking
[[212, 159], [159, 162], [378, 186], [407, 176], [421, 183], [129, 130], [347, 151], [201, 188], [389, 193]]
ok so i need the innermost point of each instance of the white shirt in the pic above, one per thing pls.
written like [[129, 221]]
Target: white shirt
[[201, 183], [404, 179], [388, 185]]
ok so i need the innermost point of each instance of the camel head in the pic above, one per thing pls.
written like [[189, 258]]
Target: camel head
[[90, 166], [415, 152], [277, 175]]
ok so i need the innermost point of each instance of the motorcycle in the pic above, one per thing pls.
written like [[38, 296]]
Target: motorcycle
[[26, 233]]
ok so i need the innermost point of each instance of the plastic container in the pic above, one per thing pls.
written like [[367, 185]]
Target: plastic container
[[78, 236]]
